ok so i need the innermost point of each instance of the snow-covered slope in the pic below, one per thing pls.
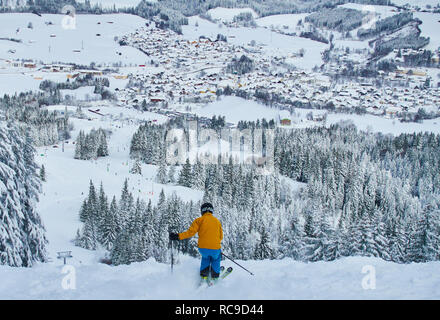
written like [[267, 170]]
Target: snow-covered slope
[[235, 109], [281, 20], [228, 14], [67, 180], [91, 40], [429, 27], [278, 279], [420, 3]]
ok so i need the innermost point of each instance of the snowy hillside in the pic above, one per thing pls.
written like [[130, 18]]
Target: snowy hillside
[[285, 279], [228, 14], [236, 109], [67, 180], [429, 27], [90, 38], [420, 3], [281, 20]]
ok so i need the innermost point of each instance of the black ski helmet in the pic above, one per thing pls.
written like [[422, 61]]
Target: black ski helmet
[[206, 207]]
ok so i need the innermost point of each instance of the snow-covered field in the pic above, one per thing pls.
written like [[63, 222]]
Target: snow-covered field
[[83, 93], [235, 109], [19, 82], [279, 21], [228, 14], [429, 28], [92, 39], [419, 3], [381, 11], [387, 126]]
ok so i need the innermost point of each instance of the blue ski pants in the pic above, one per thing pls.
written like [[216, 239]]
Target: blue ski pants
[[210, 258]]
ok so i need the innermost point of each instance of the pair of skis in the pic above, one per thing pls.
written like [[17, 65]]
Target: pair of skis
[[223, 274]]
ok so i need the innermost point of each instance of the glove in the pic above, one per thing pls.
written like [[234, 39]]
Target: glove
[[174, 236]]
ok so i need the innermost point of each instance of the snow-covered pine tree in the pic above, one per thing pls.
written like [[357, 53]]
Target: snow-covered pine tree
[[42, 173], [92, 203], [417, 236], [264, 248], [185, 178], [102, 150], [292, 239], [79, 146], [91, 145], [137, 234], [136, 168], [190, 213], [103, 208], [431, 248], [126, 203], [172, 174], [122, 249], [198, 176], [84, 211], [22, 234], [89, 234], [161, 175], [161, 229], [148, 230], [109, 227]]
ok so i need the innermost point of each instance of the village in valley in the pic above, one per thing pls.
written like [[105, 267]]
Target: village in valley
[[187, 72], [180, 76]]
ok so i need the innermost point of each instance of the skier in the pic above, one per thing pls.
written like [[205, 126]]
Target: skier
[[210, 233]]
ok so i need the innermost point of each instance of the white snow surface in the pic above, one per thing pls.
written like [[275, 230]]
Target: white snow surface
[[273, 279], [92, 39], [280, 20], [228, 14], [382, 11], [420, 3], [82, 93], [235, 109], [429, 28], [384, 125]]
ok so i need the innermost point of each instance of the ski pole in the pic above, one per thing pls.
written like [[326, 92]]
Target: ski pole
[[237, 264]]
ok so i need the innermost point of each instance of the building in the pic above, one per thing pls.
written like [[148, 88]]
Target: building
[[58, 68], [92, 72], [284, 118]]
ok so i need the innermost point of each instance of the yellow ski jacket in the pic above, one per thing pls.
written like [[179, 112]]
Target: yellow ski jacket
[[209, 229]]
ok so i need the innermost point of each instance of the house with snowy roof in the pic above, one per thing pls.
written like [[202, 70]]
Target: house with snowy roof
[[284, 118]]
